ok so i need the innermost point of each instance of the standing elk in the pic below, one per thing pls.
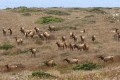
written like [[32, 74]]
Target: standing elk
[[4, 31], [10, 31], [60, 45], [19, 41], [33, 51], [63, 38], [37, 30], [46, 35], [93, 38], [82, 38], [72, 35]]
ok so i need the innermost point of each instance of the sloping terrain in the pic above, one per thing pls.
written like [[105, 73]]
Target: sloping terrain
[[96, 22]]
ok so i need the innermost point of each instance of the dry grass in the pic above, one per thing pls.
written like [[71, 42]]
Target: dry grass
[[79, 19]]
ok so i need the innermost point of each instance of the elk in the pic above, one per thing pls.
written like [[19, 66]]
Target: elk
[[106, 59], [83, 31], [46, 35], [10, 31], [37, 29], [41, 36], [82, 38], [22, 30], [60, 45], [30, 34], [71, 61], [50, 63], [51, 28], [63, 38], [93, 38], [72, 35], [85, 47], [79, 47], [19, 41], [33, 51], [118, 35], [4, 31], [72, 46]]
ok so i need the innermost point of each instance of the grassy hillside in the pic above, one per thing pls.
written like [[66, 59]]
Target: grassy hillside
[[96, 21]]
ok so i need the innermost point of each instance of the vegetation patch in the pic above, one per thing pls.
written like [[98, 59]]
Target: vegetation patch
[[41, 74], [56, 12], [7, 8], [86, 66], [16, 52], [6, 46], [23, 9], [96, 10], [26, 14], [49, 19]]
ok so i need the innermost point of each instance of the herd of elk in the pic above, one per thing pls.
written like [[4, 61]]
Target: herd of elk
[[61, 45]]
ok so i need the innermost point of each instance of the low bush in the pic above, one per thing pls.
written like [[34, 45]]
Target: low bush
[[23, 9], [97, 10], [49, 19], [86, 66], [6, 46], [41, 74], [26, 14], [56, 12]]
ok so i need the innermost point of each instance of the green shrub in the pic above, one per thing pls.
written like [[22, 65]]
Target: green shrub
[[41, 74], [26, 14], [49, 19], [56, 12], [97, 10], [86, 66], [16, 52], [24, 9], [6, 46], [8, 9]]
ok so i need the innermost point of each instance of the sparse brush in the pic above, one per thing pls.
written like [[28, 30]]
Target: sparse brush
[[57, 12], [49, 19], [26, 14], [86, 66], [6, 46], [42, 74]]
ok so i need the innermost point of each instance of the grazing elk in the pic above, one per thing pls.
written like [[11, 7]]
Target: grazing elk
[[105, 59], [50, 63], [71, 61], [51, 28]]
